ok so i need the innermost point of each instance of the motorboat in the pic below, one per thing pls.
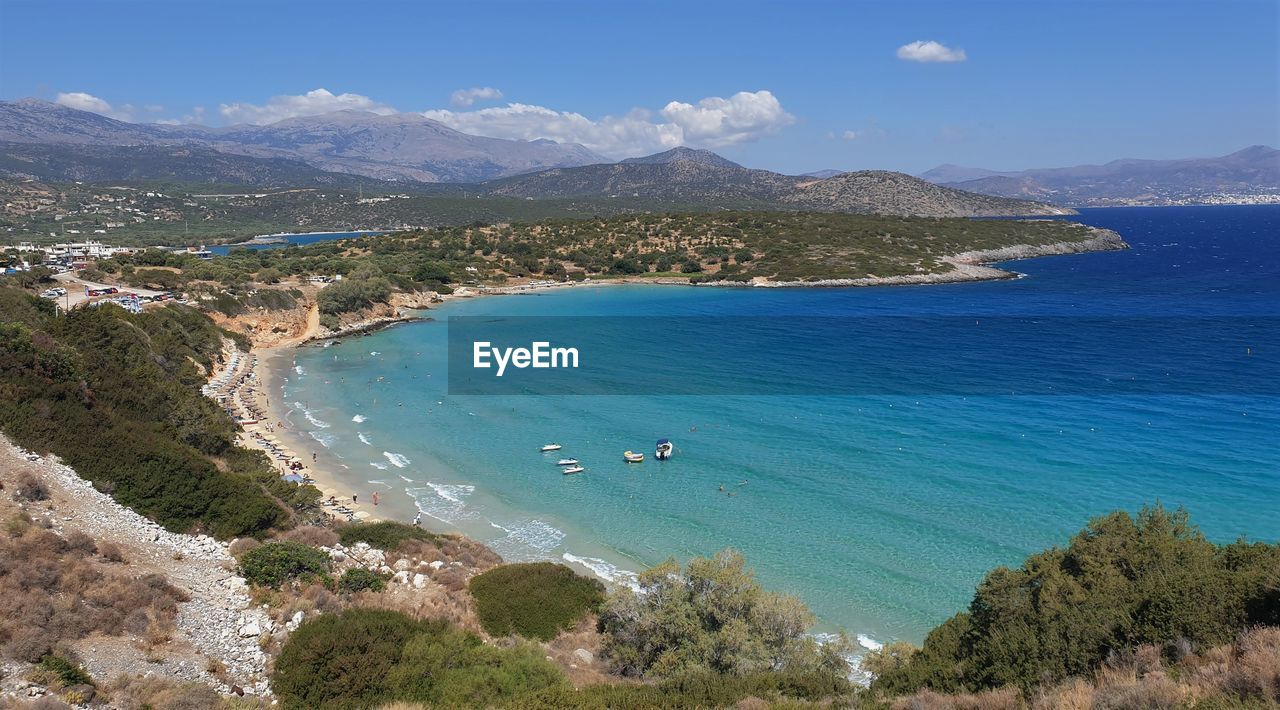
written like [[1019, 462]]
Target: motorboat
[[550, 447], [573, 469], [665, 449], [633, 456], [567, 462]]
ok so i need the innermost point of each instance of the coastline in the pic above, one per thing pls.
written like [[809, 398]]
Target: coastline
[[275, 363], [274, 366]]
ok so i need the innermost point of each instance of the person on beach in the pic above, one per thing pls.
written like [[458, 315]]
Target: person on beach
[[417, 519], [353, 498], [375, 498]]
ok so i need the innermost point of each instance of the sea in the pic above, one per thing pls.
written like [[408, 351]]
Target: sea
[[880, 508], [290, 240]]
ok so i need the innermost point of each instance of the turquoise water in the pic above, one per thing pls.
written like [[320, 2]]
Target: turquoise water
[[881, 512]]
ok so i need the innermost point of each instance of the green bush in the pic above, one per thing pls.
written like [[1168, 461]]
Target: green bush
[[535, 600], [384, 535], [712, 616], [67, 672], [364, 658], [359, 579], [1121, 582], [275, 563]]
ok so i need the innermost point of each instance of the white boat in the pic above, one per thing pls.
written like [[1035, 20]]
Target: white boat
[[665, 449], [551, 447], [633, 456], [574, 469], [567, 462]]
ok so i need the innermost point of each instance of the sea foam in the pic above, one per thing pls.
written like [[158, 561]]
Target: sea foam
[[359, 418], [610, 573], [397, 460], [364, 439]]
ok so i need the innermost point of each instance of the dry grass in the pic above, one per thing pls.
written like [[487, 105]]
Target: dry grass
[[311, 536], [242, 545], [1242, 674], [55, 590], [1246, 672]]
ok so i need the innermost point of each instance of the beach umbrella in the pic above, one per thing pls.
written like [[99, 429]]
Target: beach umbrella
[[293, 478]]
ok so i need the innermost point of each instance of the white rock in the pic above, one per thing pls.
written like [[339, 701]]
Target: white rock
[[436, 565], [250, 630], [583, 656], [402, 565], [401, 577], [419, 581]]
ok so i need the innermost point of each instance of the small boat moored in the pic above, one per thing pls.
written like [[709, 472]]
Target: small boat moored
[[573, 469], [550, 447], [567, 462], [665, 449], [633, 457]]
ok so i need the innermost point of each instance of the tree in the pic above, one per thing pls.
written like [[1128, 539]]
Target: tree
[[712, 616], [1122, 582]]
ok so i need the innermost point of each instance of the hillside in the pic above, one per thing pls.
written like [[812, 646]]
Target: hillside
[[882, 192], [700, 176], [1248, 173]]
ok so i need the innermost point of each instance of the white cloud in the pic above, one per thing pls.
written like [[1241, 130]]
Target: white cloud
[[196, 116], [851, 135], [712, 122], [311, 103], [88, 102], [716, 122], [466, 97], [930, 51]]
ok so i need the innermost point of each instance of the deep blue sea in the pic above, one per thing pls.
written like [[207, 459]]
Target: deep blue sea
[[881, 511]]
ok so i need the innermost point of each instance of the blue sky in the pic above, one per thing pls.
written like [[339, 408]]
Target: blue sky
[[790, 86]]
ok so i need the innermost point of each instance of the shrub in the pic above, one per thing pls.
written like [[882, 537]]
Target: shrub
[[385, 535], [359, 579], [311, 536], [138, 691], [111, 552], [67, 672], [242, 545], [1121, 583], [710, 617], [275, 563], [29, 489], [366, 657], [535, 600]]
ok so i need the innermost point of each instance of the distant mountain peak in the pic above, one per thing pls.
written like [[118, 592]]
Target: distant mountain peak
[[683, 154]]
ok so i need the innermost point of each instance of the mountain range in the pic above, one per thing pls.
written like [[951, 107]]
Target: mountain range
[[407, 147], [411, 153], [1249, 172]]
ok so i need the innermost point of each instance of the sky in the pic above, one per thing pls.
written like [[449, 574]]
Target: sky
[[791, 86]]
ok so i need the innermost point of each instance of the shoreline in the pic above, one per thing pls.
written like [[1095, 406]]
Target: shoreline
[[273, 364], [273, 367]]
